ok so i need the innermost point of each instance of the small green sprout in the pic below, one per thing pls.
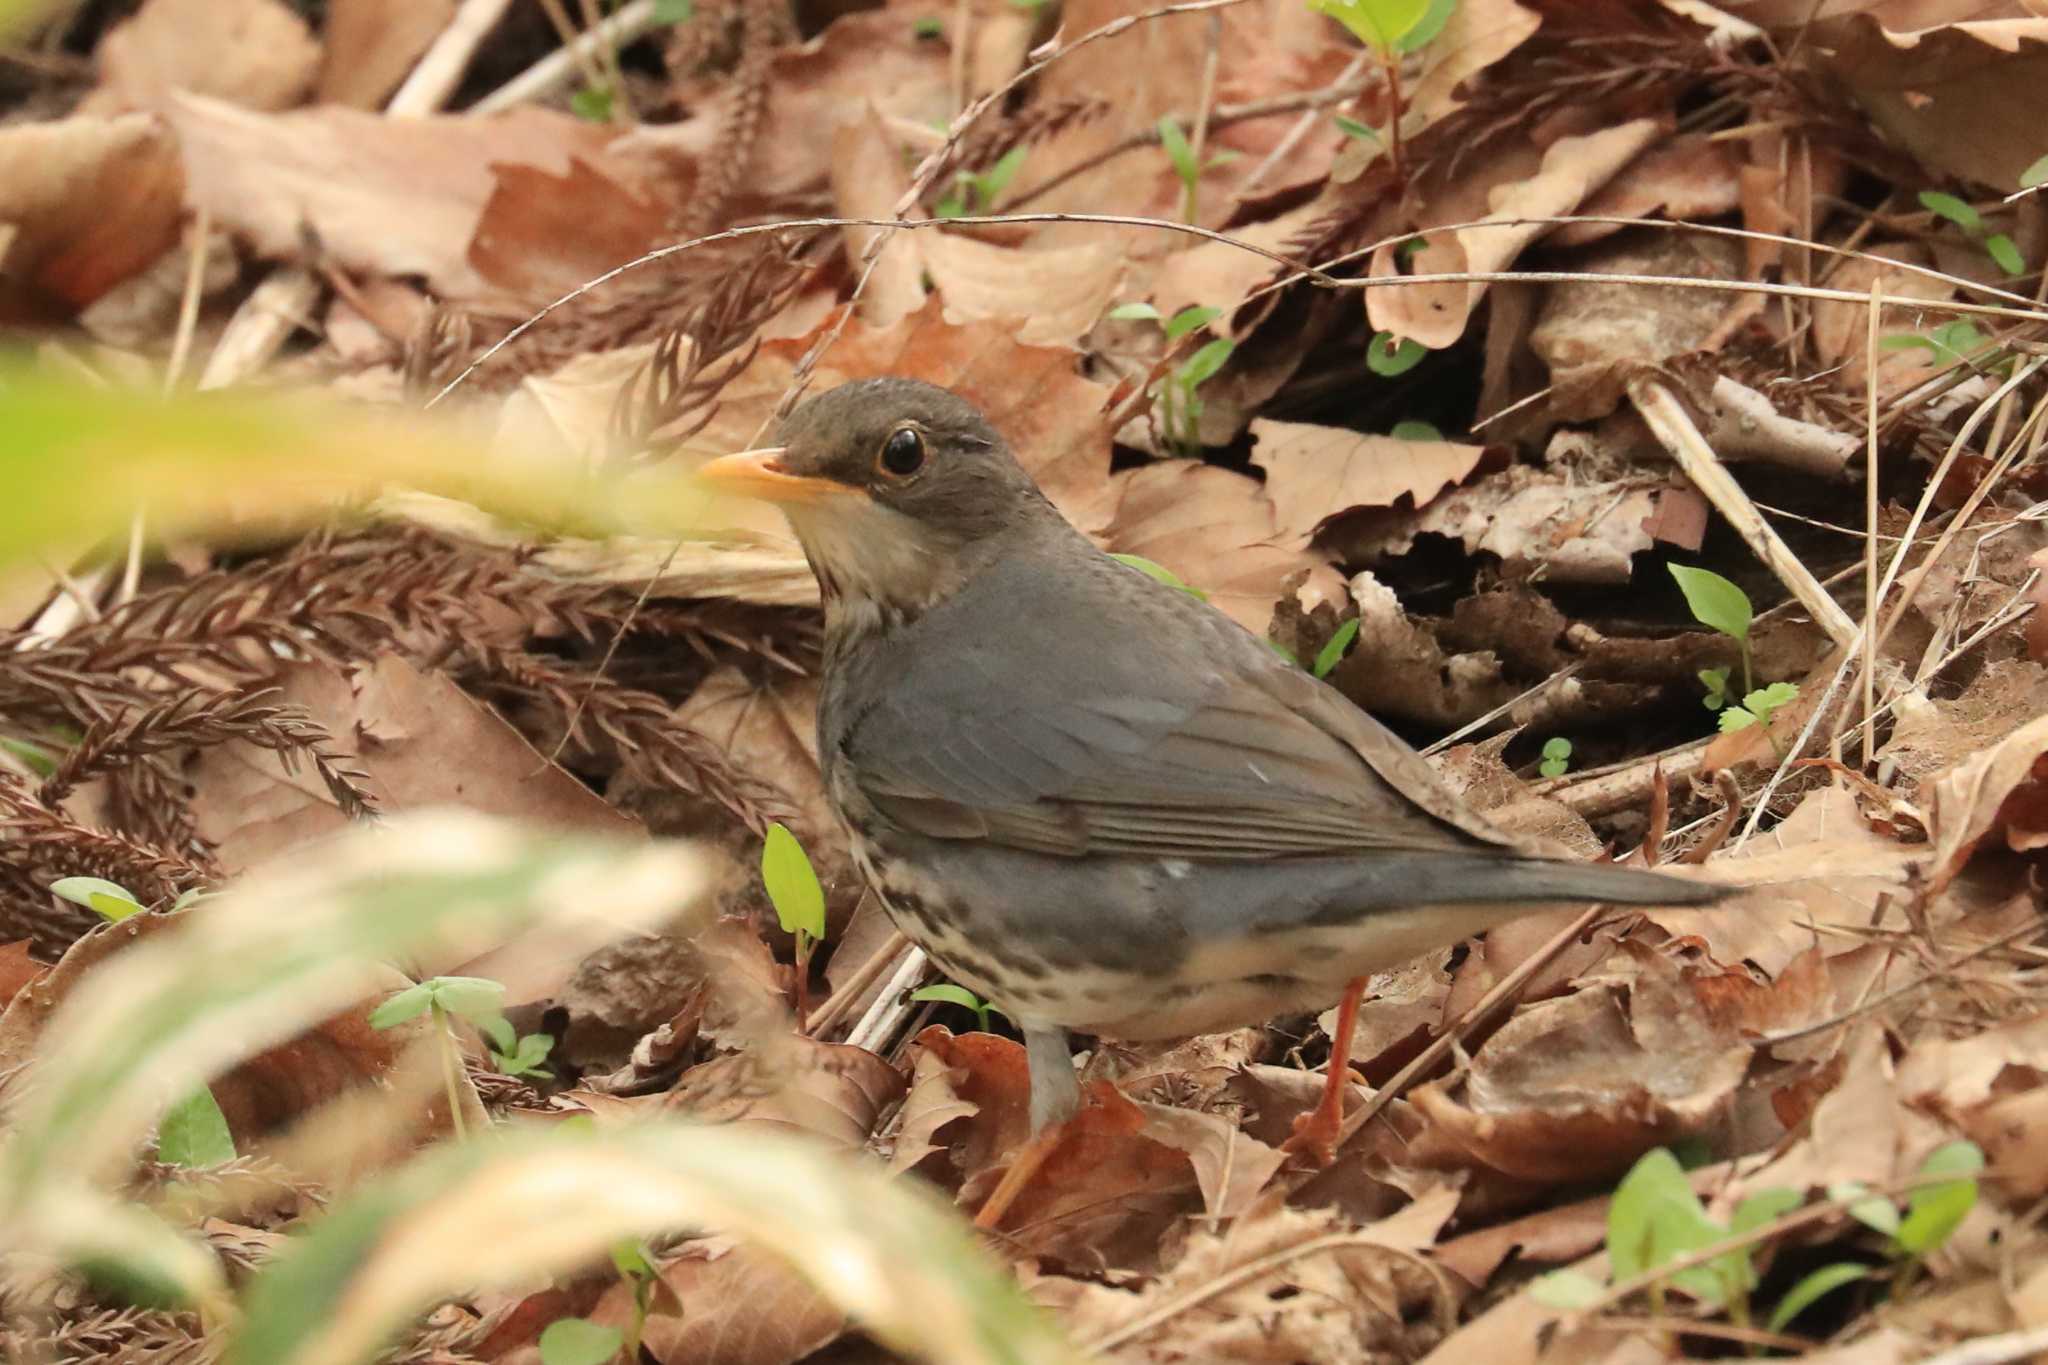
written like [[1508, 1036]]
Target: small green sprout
[[1952, 343], [110, 900], [1720, 605], [579, 1341], [1180, 406], [674, 11], [1153, 569], [473, 998], [799, 902], [592, 104], [1356, 131], [946, 993], [1332, 653], [1390, 26], [1186, 164], [2035, 175], [1997, 245], [1557, 756], [931, 26], [1389, 356], [1413, 430], [977, 191]]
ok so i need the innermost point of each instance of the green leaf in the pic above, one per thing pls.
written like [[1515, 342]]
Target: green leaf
[[1716, 681], [1763, 1207], [1655, 1217], [409, 1003], [1428, 26], [946, 993], [1765, 700], [1715, 602], [474, 998], [579, 1341], [1352, 128], [1200, 367], [499, 1030], [1567, 1289], [1934, 1212], [1874, 1211], [1812, 1288], [1955, 210], [1379, 24], [112, 901], [1387, 355], [1283, 651], [997, 178], [193, 1132], [792, 884], [1557, 756], [1160, 572], [38, 759], [953, 205], [673, 11], [928, 27], [629, 1258], [1736, 718], [592, 103], [1178, 151], [1332, 653], [2036, 174], [1134, 312], [1188, 319], [1900, 341], [2004, 254], [1412, 430]]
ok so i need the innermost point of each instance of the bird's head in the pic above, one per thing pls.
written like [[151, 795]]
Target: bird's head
[[895, 488]]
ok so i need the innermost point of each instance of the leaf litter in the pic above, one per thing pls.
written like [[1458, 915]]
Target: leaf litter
[[1496, 518]]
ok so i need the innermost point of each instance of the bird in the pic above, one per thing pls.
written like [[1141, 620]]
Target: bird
[[1090, 797]]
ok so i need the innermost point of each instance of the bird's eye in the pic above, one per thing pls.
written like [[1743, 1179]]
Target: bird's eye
[[903, 453]]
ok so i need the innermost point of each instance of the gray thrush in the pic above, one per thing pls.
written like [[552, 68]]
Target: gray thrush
[[1090, 797]]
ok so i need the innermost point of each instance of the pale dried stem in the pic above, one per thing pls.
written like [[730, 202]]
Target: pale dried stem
[[1871, 356], [559, 67], [886, 1015], [1301, 129], [836, 1006], [434, 78], [1673, 426]]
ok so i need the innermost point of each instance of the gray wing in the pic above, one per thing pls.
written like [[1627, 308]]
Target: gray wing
[[1203, 746]]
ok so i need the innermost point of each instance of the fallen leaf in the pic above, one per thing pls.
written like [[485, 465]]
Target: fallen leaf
[[91, 202], [2002, 790], [254, 53], [868, 179], [17, 969], [1314, 473], [1688, 178], [372, 44], [729, 1304], [541, 233], [1050, 296]]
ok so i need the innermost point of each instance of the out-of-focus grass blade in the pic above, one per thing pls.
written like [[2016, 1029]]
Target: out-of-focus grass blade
[[505, 1210], [77, 461], [285, 948]]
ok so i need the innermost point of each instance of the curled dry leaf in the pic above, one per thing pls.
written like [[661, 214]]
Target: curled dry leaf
[[827, 1090], [90, 202], [383, 195], [1687, 178], [371, 44], [543, 232], [868, 181], [727, 1304], [1583, 1085], [2001, 791], [1993, 1086], [1281, 1285], [1435, 315], [1314, 473]]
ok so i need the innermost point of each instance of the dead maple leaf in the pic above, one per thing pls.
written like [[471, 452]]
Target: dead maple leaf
[[2003, 790], [1314, 473], [90, 203], [371, 44], [541, 233]]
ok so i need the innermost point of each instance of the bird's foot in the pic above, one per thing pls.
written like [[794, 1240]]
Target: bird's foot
[[1317, 1132]]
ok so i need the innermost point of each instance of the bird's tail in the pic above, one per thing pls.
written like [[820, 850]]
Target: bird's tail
[[1545, 880]]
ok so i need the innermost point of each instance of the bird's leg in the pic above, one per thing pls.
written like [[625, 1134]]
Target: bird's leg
[[1055, 1098], [1315, 1133]]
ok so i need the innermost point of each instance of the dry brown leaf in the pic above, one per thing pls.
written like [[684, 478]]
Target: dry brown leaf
[[1314, 473], [1396, 667], [541, 234], [254, 53], [1221, 274], [22, 1021], [383, 195], [732, 1304], [1280, 1286], [1478, 34], [1574, 530], [1841, 330], [17, 969], [90, 202], [1579, 1087], [1687, 178], [1231, 1166], [372, 44], [872, 55], [1991, 1087], [1056, 293], [1572, 169], [1213, 527], [828, 1090], [422, 742], [868, 180], [2002, 790], [1936, 734]]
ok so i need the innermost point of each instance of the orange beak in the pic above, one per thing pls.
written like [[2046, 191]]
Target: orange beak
[[759, 474]]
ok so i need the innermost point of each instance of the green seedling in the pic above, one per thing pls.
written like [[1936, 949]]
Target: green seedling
[[977, 191], [1413, 430], [1188, 164], [1953, 343], [193, 1132], [1388, 356], [579, 1341], [1176, 393], [479, 1001], [1332, 653], [1153, 569], [1997, 245], [799, 902], [1357, 131], [928, 27], [946, 993], [593, 103], [1390, 29], [2035, 175], [674, 11], [1719, 605], [1557, 756]]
